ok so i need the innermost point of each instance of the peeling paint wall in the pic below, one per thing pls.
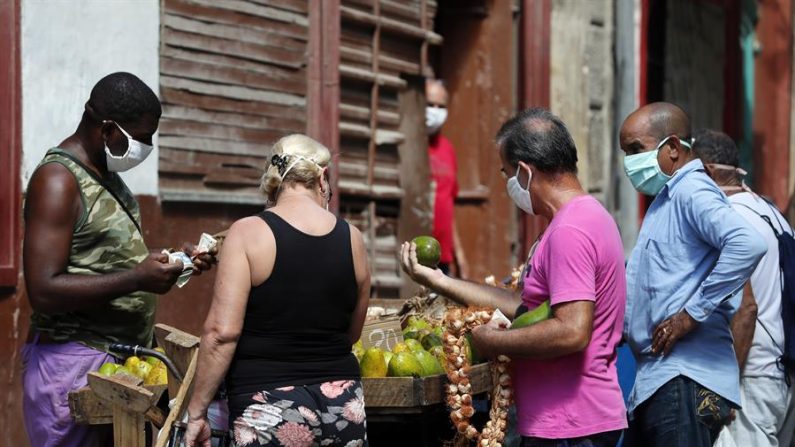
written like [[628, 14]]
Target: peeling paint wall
[[67, 46], [581, 86]]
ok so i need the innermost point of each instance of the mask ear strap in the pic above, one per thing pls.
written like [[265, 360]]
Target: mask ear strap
[[529, 176]]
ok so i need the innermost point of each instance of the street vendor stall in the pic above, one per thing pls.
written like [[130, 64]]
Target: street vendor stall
[[427, 392]]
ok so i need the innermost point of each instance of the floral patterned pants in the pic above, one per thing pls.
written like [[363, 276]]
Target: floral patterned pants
[[324, 414]]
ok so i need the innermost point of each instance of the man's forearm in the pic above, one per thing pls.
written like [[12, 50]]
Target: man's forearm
[[473, 294], [743, 326], [543, 340], [70, 292]]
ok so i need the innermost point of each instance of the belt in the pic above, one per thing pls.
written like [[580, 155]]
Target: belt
[[42, 338]]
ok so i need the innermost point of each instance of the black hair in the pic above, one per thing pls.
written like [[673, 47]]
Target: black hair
[[538, 137], [124, 98], [713, 146]]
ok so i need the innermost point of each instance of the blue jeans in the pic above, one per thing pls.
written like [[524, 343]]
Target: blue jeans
[[606, 439], [681, 413]]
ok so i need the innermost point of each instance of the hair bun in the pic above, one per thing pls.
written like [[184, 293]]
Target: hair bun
[[280, 162]]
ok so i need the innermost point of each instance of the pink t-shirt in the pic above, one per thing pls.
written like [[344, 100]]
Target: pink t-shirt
[[579, 257]]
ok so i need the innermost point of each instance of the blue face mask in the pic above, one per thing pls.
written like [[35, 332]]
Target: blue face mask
[[644, 170]]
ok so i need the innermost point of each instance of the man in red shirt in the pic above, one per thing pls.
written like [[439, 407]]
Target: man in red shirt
[[443, 171]]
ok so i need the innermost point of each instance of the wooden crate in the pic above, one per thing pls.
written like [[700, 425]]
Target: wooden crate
[[383, 333], [417, 392], [89, 409]]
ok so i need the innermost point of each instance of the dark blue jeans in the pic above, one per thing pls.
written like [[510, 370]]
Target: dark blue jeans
[[607, 439], [681, 413]]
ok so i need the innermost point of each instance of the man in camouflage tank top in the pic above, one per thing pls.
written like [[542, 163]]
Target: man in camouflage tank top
[[90, 278]]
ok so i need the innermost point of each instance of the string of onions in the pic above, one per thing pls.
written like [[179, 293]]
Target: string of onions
[[458, 322]]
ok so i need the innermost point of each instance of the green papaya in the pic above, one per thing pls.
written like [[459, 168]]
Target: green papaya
[[540, 313]]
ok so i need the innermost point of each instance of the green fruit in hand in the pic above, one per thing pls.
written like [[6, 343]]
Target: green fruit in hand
[[428, 251], [413, 345], [431, 340], [373, 363], [404, 364], [540, 313], [108, 369]]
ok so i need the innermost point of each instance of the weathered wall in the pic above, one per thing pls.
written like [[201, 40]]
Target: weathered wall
[[772, 104], [476, 63], [581, 86], [695, 53], [627, 99], [66, 48]]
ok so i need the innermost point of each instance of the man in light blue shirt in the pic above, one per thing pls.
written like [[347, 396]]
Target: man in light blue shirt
[[693, 253]]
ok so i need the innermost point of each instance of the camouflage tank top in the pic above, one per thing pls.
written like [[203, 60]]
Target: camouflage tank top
[[105, 240]]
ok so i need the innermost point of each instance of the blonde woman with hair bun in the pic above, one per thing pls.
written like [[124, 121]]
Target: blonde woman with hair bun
[[290, 299], [296, 159]]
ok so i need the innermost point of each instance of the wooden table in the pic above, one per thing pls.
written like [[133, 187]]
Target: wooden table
[[128, 405], [415, 407]]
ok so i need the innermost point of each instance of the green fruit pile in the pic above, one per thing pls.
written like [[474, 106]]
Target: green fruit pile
[[151, 369], [419, 355]]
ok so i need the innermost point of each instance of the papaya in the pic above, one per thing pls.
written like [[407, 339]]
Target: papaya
[[430, 341], [404, 364], [373, 363], [540, 313]]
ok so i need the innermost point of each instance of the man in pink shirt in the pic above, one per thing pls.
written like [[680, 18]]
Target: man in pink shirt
[[566, 387]]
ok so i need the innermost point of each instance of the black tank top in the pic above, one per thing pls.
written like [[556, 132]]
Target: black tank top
[[295, 330]]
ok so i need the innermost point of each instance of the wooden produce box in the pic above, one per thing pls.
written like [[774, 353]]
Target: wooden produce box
[[89, 409], [397, 392], [382, 333]]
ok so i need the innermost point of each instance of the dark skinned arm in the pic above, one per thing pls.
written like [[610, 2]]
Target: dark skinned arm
[[743, 325], [52, 208], [567, 332]]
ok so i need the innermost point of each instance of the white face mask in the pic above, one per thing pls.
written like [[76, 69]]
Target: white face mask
[[135, 155], [519, 195], [434, 119]]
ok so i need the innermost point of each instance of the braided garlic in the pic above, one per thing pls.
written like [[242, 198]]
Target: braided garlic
[[458, 322]]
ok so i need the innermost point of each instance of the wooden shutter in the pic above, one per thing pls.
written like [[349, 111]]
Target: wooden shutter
[[232, 81], [381, 42]]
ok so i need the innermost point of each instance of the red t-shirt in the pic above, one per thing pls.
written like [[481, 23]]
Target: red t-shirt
[[443, 171]]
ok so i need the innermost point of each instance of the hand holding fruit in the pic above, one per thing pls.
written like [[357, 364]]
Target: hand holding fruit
[[155, 274], [419, 259]]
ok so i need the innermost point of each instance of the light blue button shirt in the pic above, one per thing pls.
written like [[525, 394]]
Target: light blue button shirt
[[694, 252]]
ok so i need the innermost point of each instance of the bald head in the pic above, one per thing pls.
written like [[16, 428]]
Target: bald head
[[662, 126], [653, 122], [436, 93]]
